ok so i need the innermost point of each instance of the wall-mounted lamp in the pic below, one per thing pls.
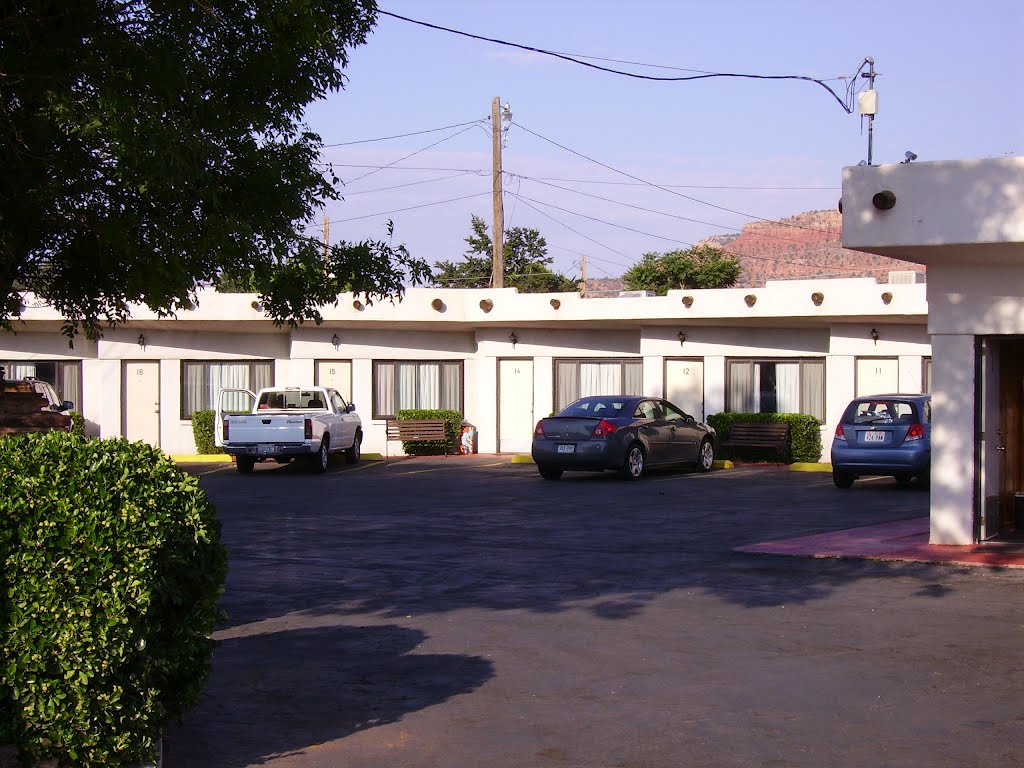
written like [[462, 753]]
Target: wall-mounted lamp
[[142, 340], [335, 341], [687, 301], [682, 337], [874, 335], [514, 339]]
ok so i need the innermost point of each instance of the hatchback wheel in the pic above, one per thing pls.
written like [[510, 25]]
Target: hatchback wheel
[[842, 479], [633, 466]]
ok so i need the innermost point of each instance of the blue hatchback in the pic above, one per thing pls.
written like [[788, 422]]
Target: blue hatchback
[[884, 435]]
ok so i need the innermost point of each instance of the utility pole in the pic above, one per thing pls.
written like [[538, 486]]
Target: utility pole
[[868, 103], [583, 275], [498, 224], [327, 234]]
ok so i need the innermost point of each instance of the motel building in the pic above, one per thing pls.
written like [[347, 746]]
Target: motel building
[[506, 359]]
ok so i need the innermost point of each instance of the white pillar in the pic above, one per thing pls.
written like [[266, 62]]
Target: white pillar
[[953, 469]]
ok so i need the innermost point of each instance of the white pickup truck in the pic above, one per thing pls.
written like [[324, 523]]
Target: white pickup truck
[[284, 423]]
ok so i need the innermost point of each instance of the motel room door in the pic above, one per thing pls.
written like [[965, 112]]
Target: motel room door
[[515, 405], [1011, 431], [684, 385], [141, 401]]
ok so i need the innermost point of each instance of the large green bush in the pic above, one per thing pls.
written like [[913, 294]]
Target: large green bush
[[804, 435], [453, 428], [202, 432], [110, 571]]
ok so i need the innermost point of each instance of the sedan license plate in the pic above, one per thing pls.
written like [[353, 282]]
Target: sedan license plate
[[874, 437], [266, 449], [567, 448]]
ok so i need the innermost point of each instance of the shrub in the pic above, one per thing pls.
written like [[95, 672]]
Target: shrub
[[453, 429], [77, 422], [804, 434], [110, 570], [202, 432]]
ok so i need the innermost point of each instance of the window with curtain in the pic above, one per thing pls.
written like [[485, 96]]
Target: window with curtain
[[926, 373], [64, 376], [777, 386], [201, 380], [403, 384], [581, 378]]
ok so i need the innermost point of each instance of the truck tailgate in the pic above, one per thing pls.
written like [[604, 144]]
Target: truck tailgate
[[278, 428]]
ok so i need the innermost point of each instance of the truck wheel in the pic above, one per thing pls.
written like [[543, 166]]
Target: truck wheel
[[244, 464], [352, 454], [322, 456]]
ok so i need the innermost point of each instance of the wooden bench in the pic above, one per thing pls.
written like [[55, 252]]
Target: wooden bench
[[759, 435], [418, 431]]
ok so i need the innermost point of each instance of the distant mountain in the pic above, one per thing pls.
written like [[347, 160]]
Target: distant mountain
[[803, 246]]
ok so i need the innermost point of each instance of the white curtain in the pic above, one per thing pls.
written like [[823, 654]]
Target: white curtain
[[451, 386], [19, 370], [787, 387], [567, 384], [743, 396], [812, 385], [633, 375], [384, 390], [406, 387], [600, 379], [430, 385], [68, 384]]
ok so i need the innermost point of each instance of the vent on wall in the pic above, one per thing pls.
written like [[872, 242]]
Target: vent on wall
[[904, 276]]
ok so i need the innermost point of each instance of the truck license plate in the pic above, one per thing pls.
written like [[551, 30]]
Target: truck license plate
[[567, 448], [874, 437], [265, 449]]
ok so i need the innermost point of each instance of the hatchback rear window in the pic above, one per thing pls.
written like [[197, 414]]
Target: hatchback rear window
[[881, 412]]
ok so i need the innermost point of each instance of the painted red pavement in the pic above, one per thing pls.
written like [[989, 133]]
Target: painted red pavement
[[903, 540]]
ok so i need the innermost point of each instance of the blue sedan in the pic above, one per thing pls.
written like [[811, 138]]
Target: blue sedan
[[884, 435], [625, 433]]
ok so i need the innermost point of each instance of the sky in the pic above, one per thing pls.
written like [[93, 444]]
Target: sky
[[609, 167]]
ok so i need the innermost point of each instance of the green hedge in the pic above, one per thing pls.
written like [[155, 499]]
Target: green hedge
[[110, 571], [77, 422], [804, 435], [453, 429], [202, 432]]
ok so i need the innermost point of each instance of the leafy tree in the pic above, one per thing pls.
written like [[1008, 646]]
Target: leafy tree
[[524, 253], [150, 148], [703, 266]]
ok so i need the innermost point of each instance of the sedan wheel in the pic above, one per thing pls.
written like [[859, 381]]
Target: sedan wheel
[[549, 474], [633, 466], [705, 456], [842, 479]]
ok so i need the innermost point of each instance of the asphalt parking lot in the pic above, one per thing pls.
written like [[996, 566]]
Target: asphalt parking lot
[[462, 612]]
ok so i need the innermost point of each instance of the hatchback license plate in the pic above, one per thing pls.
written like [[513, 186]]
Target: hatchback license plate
[[874, 437], [567, 449]]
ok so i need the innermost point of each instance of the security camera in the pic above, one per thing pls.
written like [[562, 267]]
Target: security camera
[[910, 156]]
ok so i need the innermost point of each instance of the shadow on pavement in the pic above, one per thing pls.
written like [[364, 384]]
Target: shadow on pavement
[[283, 693]]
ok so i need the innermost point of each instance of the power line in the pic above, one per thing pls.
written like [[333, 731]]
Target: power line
[[565, 57], [731, 187], [412, 154], [656, 186], [587, 237], [402, 135], [410, 208], [670, 215], [409, 184]]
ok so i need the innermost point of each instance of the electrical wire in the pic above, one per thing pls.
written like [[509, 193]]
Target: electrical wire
[[409, 184], [656, 186], [685, 186], [684, 78], [404, 135], [410, 208], [412, 154]]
